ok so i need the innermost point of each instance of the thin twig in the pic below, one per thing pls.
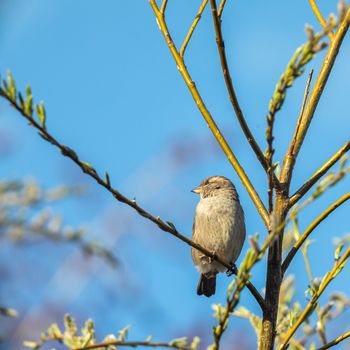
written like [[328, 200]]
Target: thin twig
[[306, 94], [330, 181], [192, 28], [208, 117], [310, 228], [133, 344], [320, 324], [318, 174], [86, 168], [319, 16], [163, 7], [335, 341], [329, 318], [338, 266], [221, 8], [232, 95]]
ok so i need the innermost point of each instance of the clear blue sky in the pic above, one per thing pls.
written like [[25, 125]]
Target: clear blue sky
[[112, 92]]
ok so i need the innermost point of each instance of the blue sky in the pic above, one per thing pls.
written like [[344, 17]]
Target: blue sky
[[112, 92]]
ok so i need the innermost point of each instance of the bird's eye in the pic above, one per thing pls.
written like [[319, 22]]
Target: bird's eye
[[217, 187]]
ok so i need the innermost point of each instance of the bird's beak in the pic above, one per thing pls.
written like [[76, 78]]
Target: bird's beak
[[196, 190]]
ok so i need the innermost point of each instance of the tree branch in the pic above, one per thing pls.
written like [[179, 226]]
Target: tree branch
[[329, 181], [208, 117], [318, 174], [229, 86], [132, 344], [338, 266], [335, 341], [310, 228], [192, 28], [163, 6], [221, 8], [88, 169], [321, 81], [306, 94]]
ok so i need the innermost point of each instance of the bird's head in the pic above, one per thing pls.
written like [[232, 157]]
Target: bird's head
[[215, 186]]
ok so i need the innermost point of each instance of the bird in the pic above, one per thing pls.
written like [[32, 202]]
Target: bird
[[219, 227]]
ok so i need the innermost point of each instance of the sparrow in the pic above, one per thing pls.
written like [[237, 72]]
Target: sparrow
[[219, 227]]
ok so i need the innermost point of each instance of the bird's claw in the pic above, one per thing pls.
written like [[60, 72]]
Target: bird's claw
[[212, 257], [232, 270]]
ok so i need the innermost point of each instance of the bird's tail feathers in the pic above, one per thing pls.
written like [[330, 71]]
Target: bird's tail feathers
[[206, 286]]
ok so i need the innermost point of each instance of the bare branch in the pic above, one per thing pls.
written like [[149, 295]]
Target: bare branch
[[318, 174], [221, 8], [310, 228], [329, 181], [163, 7], [208, 117], [294, 69], [306, 94], [335, 341], [192, 28], [338, 266], [229, 86], [132, 344]]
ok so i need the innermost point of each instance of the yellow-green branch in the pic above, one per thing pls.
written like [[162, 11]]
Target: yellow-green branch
[[335, 341], [192, 28], [318, 174], [310, 228], [321, 80], [221, 8], [208, 117], [163, 6], [338, 266]]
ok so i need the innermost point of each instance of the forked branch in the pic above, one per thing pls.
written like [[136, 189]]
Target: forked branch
[[192, 28]]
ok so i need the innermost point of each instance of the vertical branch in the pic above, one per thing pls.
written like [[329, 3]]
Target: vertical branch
[[208, 117], [320, 83], [163, 6], [228, 81], [306, 94], [221, 8], [310, 228]]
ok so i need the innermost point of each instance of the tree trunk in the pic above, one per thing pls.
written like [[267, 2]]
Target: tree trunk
[[273, 278]]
